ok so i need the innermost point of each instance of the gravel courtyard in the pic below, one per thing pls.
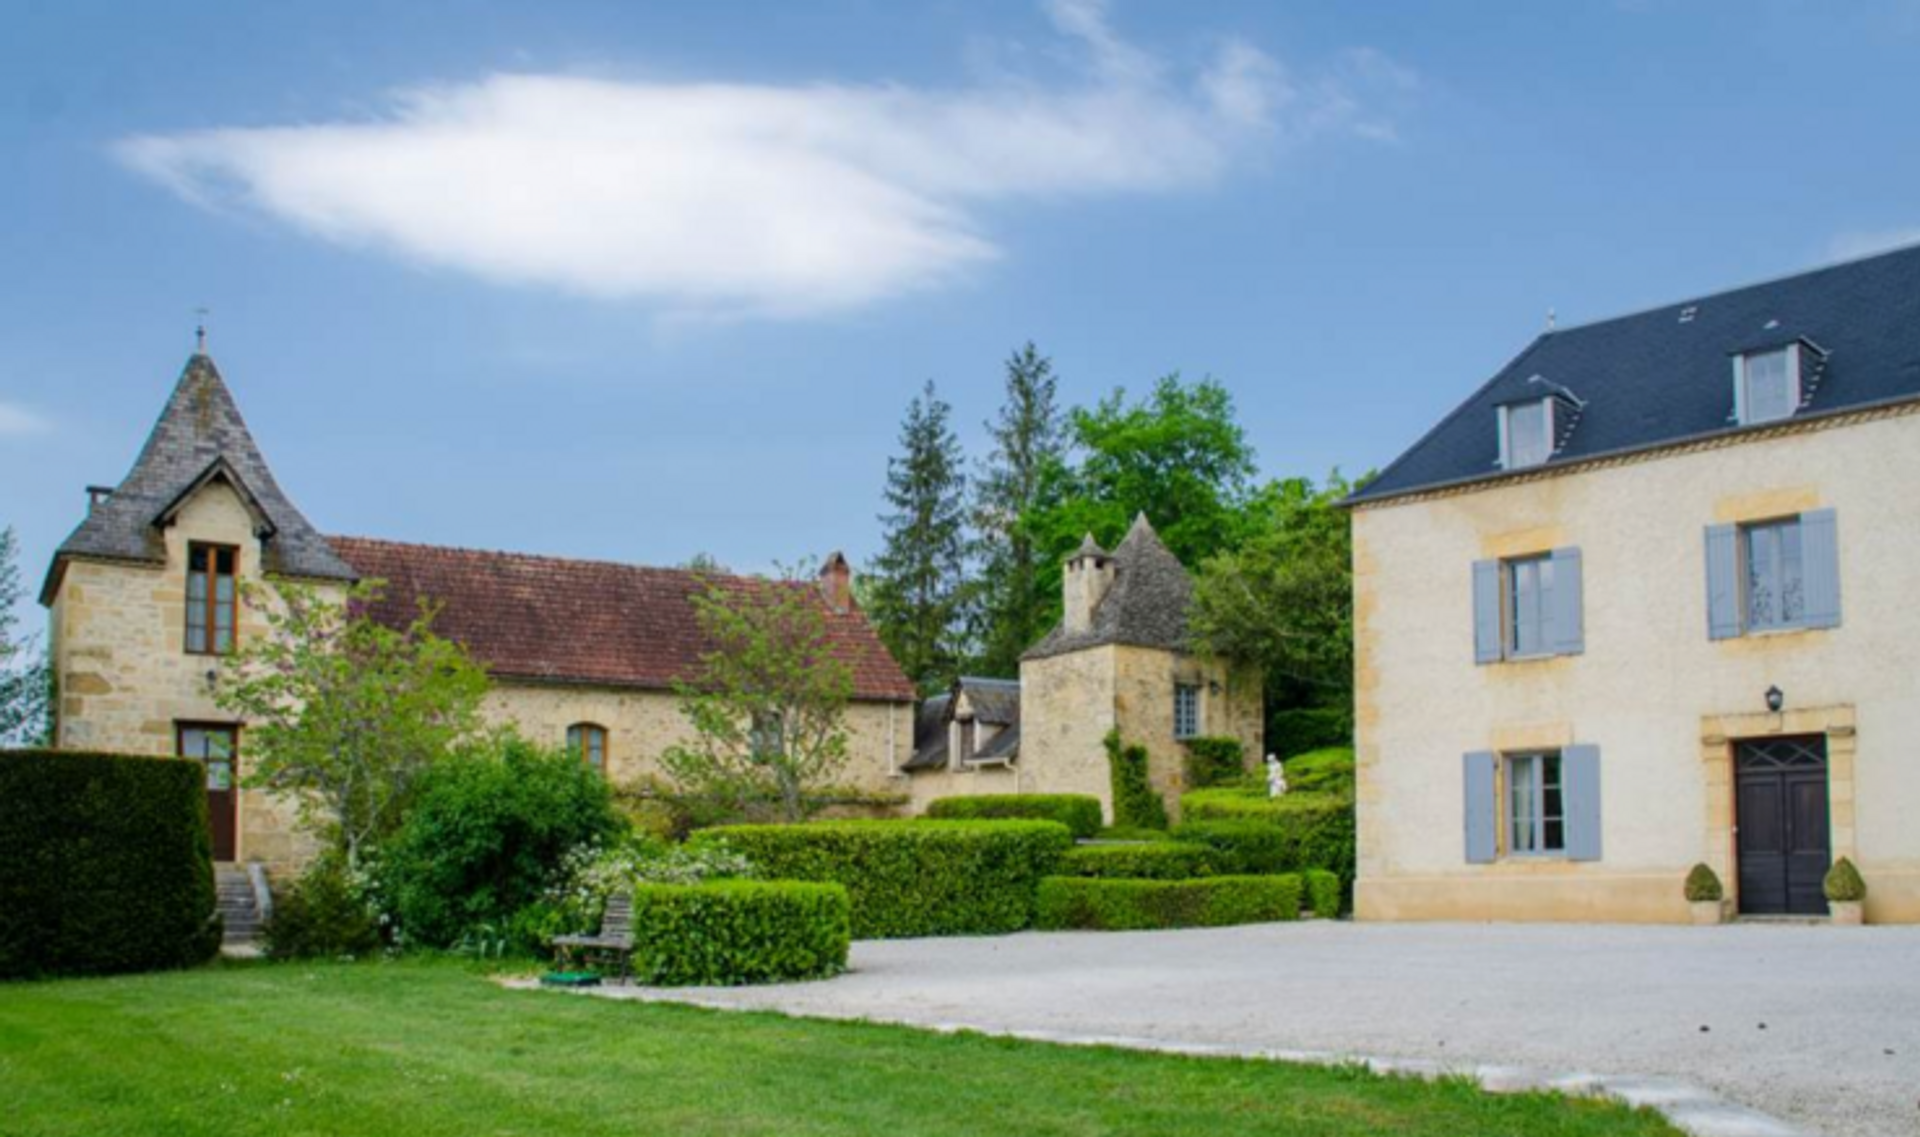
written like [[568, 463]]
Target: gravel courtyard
[[1816, 1025]]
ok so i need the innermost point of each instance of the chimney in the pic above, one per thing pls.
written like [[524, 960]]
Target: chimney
[[1089, 574], [96, 495], [836, 583]]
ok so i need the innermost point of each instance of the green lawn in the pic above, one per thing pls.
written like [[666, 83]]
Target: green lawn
[[430, 1049]]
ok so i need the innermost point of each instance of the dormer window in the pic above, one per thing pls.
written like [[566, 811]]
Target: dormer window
[[1526, 433], [1766, 385]]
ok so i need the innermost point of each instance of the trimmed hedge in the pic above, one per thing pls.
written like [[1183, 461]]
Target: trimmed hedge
[[1159, 860], [1323, 893], [733, 932], [1215, 761], [1305, 729], [1129, 905], [105, 864], [1328, 771], [912, 878], [1080, 813], [1317, 834]]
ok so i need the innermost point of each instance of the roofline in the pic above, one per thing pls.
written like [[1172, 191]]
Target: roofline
[[511, 678], [1777, 278], [1357, 500]]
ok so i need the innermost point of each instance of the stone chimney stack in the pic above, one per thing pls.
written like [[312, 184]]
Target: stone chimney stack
[[836, 583], [1089, 574]]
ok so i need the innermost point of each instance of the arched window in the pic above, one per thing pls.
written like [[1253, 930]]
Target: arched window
[[590, 743]]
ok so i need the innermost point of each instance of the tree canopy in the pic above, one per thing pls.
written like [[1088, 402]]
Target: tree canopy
[[26, 679]]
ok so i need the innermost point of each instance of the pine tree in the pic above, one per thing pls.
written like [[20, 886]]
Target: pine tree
[[1016, 607], [919, 588]]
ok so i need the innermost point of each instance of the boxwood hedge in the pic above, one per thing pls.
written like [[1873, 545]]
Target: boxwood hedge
[[1123, 905], [734, 932], [1323, 893], [912, 878], [1078, 812], [105, 864], [1160, 860]]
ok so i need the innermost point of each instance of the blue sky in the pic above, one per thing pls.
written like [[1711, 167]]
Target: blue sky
[[636, 281]]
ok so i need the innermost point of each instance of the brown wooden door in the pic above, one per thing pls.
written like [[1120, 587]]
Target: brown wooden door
[[216, 748], [1784, 841]]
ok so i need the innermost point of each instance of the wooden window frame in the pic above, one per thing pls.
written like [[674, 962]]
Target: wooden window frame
[[577, 735], [230, 729], [209, 607], [1537, 802]]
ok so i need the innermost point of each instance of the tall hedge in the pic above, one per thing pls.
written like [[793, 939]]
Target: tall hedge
[[105, 864], [912, 878], [732, 932], [1208, 902], [1078, 812], [1215, 761]]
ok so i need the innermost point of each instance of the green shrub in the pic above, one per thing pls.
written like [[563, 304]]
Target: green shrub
[[489, 834], [1305, 729], [322, 916], [1157, 860], [1323, 893], [1703, 885], [1327, 771], [1131, 833], [726, 933], [1135, 803], [912, 878], [1316, 834], [105, 864], [1843, 884], [1080, 813], [1123, 905], [1215, 761]]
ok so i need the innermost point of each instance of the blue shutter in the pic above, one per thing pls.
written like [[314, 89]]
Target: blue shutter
[[1723, 582], [1483, 807], [1487, 637], [1580, 778], [1820, 567], [1566, 622]]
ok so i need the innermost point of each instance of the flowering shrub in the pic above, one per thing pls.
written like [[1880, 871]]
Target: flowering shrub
[[592, 873]]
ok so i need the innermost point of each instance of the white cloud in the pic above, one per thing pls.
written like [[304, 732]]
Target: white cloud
[[15, 420], [1862, 243], [722, 198]]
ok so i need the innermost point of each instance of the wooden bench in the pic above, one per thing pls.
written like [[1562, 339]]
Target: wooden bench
[[613, 943]]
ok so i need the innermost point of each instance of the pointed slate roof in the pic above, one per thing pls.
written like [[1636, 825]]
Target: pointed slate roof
[[1145, 606], [200, 438]]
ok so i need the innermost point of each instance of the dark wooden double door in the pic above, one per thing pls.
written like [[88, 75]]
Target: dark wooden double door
[[1784, 842]]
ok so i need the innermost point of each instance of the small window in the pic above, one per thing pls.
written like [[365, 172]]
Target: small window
[[769, 736], [1529, 606], [590, 743], [1775, 572], [211, 598], [1186, 710], [1526, 434], [214, 747], [1768, 385], [1536, 805]]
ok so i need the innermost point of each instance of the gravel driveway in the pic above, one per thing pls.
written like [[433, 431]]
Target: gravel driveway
[[1816, 1025]]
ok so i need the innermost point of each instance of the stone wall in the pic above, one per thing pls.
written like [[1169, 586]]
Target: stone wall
[[1651, 690], [126, 680]]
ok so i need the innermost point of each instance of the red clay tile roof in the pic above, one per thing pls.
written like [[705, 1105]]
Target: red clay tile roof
[[548, 619]]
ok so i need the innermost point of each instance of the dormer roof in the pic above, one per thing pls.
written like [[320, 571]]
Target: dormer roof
[[199, 439], [1145, 607], [1662, 377]]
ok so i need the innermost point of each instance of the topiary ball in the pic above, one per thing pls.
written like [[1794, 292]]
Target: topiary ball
[[1843, 885], [1703, 885]]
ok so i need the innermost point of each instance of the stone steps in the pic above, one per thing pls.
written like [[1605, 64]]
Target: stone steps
[[238, 909]]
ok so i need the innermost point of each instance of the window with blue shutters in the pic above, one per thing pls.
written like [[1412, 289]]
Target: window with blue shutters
[[1528, 607], [1542, 803], [1774, 575]]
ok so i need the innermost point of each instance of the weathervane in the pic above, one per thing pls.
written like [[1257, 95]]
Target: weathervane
[[200, 330]]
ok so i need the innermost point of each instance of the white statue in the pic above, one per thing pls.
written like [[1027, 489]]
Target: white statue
[[1276, 777]]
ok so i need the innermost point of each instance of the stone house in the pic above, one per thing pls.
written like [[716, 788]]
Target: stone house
[[145, 606], [1118, 659], [1642, 602]]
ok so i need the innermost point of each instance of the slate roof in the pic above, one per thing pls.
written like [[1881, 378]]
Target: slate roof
[[199, 437], [1145, 606], [994, 702], [598, 623], [1664, 375]]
